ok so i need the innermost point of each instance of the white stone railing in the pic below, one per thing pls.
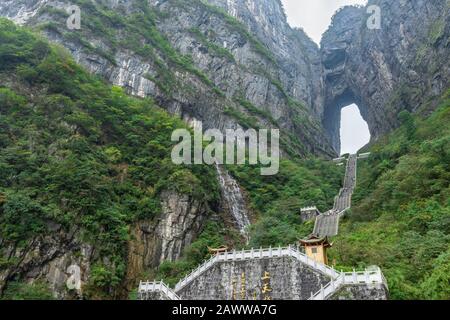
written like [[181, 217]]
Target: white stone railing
[[364, 155], [157, 286], [338, 279], [308, 209], [245, 255], [366, 277]]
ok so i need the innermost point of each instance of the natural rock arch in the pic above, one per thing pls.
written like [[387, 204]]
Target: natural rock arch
[[384, 71]]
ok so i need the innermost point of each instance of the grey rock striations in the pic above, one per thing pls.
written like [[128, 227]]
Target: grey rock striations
[[400, 66], [227, 63], [237, 63]]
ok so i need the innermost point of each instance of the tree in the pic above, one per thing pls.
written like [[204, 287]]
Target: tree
[[409, 123]]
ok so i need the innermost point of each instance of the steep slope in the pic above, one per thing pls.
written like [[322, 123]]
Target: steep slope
[[275, 203], [87, 183], [401, 217], [77, 186], [228, 65], [400, 66], [78, 164], [238, 63]]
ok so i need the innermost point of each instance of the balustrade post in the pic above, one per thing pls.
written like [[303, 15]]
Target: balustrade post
[[270, 252], [355, 279], [322, 292], [380, 275]]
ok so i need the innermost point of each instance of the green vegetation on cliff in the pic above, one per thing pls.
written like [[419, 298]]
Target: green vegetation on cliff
[[77, 153], [276, 200], [401, 215], [275, 203]]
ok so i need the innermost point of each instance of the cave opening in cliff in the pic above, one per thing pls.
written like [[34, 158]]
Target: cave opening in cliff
[[354, 130]]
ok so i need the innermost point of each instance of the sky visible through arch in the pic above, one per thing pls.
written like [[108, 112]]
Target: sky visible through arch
[[354, 130], [314, 16]]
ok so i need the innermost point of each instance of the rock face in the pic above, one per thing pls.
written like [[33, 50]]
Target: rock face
[[153, 242], [233, 200], [400, 66], [237, 63], [55, 258], [61, 256], [229, 63]]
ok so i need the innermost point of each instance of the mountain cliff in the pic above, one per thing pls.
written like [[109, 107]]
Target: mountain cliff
[[235, 64], [88, 188], [238, 63], [77, 186], [401, 66]]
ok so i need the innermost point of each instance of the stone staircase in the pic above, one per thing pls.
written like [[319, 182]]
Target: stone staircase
[[367, 277], [156, 290], [148, 290], [290, 251], [327, 224]]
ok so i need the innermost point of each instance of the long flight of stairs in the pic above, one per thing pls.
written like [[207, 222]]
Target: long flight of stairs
[[327, 224], [367, 284]]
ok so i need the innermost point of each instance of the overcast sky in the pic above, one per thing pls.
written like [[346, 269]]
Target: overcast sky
[[354, 130], [314, 16]]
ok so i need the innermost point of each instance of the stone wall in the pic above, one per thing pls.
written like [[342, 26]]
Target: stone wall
[[361, 292], [289, 279], [155, 295], [310, 214]]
